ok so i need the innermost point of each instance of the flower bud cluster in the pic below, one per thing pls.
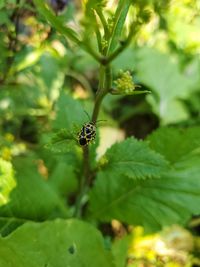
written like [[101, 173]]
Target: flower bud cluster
[[111, 23], [124, 83], [104, 44]]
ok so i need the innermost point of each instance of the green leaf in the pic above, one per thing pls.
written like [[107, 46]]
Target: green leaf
[[29, 60], [55, 244], [69, 114], [167, 82], [134, 159], [55, 21], [120, 250], [119, 20], [175, 143], [63, 141], [63, 179], [4, 17], [33, 198], [152, 203], [7, 181]]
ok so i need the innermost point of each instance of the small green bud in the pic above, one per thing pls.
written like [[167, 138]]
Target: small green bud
[[110, 23], [103, 161], [124, 83], [104, 44]]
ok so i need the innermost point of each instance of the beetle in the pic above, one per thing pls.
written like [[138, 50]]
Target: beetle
[[87, 133]]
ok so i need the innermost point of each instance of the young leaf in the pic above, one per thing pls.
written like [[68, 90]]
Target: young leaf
[[57, 243], [62, 141], [134, 159], [119, 20]]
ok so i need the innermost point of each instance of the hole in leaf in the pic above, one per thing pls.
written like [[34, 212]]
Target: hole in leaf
[[72, 249]]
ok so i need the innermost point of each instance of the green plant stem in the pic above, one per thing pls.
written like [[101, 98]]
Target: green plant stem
[[85, 180], [103, 21], [105, 85], [83, 183], [105, 82]]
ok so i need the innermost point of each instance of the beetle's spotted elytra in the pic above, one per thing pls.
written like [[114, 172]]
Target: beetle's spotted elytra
[[87, 133]]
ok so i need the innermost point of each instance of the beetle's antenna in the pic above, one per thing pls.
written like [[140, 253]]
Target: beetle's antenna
[[87, 115]]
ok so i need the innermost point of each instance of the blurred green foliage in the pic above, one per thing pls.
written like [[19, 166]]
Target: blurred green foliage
[[50, 65]]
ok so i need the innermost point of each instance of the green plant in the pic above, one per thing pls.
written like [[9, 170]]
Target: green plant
[[152, 183]]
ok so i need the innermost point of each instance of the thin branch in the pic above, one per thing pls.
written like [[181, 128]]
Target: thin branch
[[83, 183], [85, 179], [123, 46], [105, 84], [103, 21]]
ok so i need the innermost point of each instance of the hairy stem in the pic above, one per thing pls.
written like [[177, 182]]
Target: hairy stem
[[104, 22], [105, 84], [85, 180], [83, 183]]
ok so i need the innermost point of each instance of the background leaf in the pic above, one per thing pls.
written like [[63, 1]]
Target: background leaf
[[175, 143], [167, 82], [58, 243], [32, 199], [7, 181], [55, 21], [69, 113]]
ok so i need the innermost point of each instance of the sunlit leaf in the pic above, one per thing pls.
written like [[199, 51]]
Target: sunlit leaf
[[175, 143], [57, 243], [154, 203], [54, 21], [33, 198], [134, 159], [169, 85], [119, 20], [7, 181]]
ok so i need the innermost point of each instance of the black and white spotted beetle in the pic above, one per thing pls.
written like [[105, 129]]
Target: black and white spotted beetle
[[87, 133]]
